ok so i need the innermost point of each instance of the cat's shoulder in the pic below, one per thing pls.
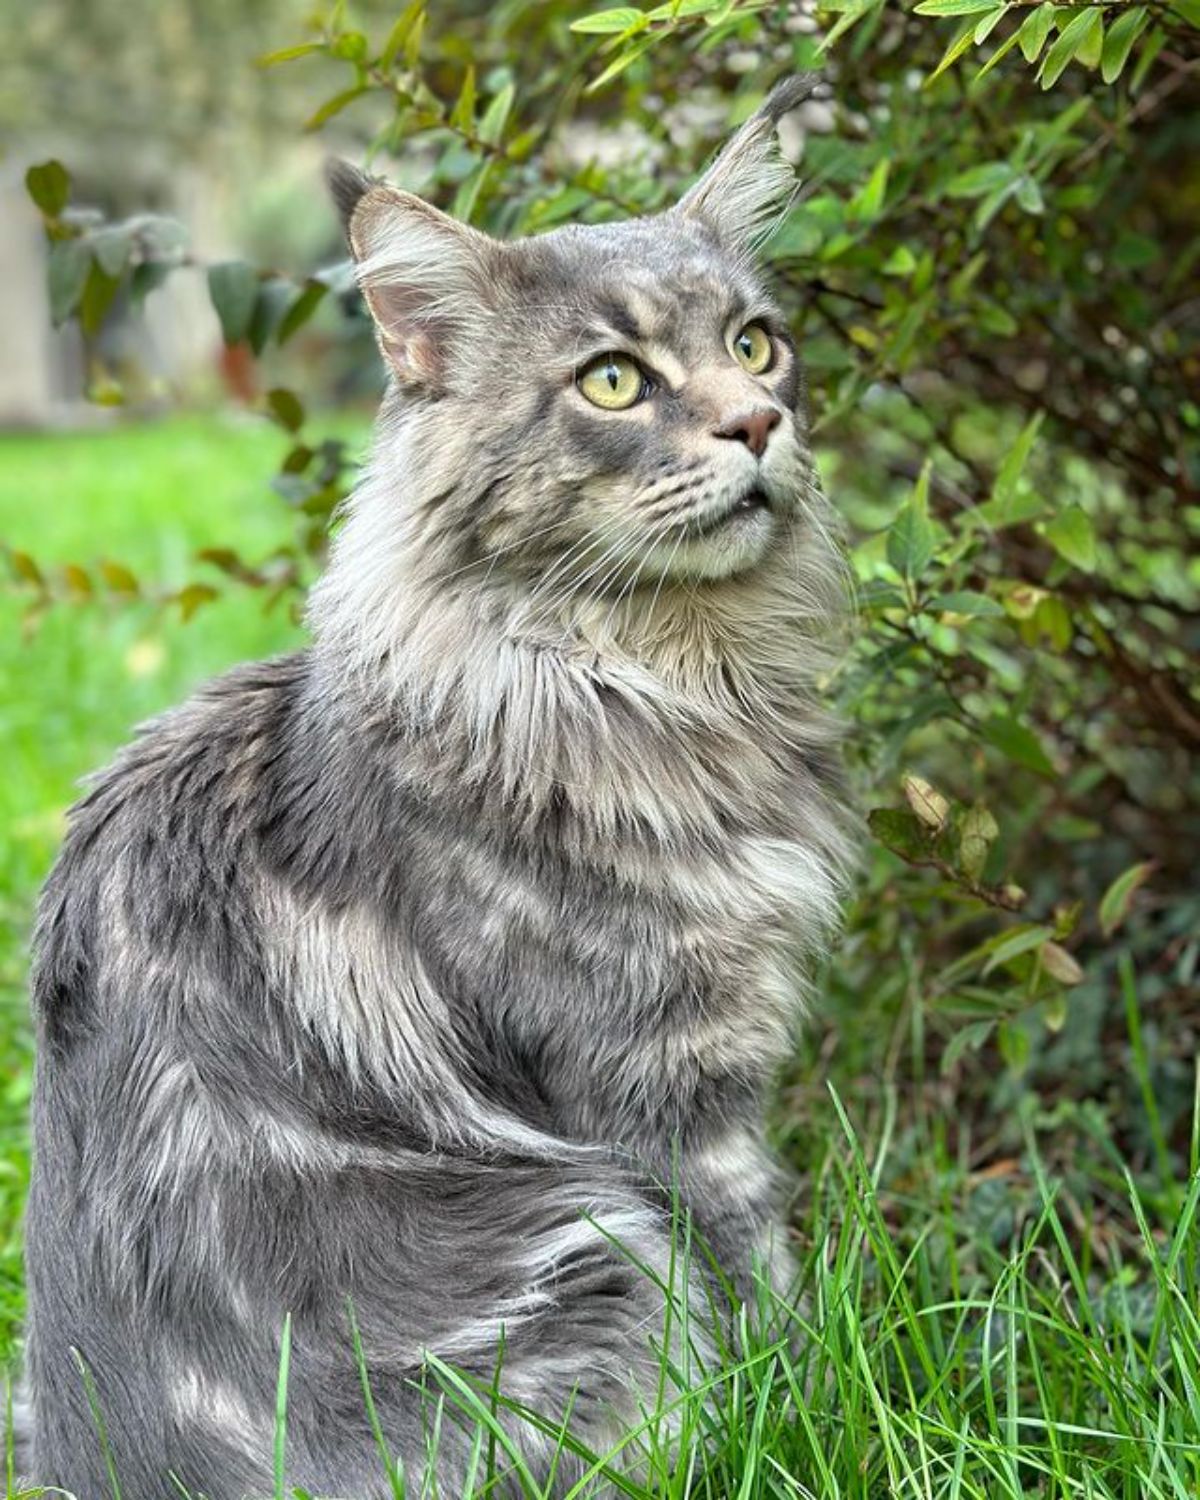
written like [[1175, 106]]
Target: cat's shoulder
[[225, 720], [153, 845], [193, 765]]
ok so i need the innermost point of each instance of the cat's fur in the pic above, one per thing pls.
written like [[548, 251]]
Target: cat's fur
[[412, 969]]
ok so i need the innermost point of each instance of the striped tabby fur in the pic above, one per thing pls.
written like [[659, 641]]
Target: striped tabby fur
[[412, 970]]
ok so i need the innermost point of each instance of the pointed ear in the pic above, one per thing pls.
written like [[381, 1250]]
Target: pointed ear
[[347, 187], [750, 181], [424, 275]]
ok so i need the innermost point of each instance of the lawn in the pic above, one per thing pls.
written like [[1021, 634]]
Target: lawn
[[999, 1272], [149, 496]]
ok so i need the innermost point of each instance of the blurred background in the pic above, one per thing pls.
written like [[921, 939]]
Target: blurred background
[[993, 269]]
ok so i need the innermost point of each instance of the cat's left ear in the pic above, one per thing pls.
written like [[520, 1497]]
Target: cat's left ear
[[750, 181], [424, 275]]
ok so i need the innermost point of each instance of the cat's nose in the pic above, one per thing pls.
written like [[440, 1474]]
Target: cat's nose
[[751, 427]]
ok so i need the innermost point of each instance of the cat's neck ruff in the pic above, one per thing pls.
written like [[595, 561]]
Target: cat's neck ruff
[[671, 707]]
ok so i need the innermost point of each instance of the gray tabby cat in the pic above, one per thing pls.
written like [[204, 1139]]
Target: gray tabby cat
[[411, 970]]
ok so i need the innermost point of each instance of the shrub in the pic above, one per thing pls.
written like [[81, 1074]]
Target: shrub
[[991, 269]]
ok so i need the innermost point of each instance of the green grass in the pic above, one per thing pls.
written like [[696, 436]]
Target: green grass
[[999, 1292], [148, 496]]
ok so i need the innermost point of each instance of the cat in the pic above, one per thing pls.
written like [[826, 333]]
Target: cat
[[431, 973]]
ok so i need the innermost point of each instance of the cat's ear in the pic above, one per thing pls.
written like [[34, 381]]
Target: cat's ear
[[750, 181], [424, 275]]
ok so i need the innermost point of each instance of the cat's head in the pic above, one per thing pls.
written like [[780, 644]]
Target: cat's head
[[597, 407]]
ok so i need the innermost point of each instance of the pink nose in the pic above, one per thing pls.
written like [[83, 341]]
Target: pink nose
[[750, 427]]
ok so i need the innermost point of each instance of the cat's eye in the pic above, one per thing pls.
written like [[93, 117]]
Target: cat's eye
[[753, 348], [613, 382]]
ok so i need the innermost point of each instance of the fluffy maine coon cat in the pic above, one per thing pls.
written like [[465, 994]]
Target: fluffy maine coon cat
[[410, 971]]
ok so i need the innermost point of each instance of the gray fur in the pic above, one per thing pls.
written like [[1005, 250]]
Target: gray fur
[[412, 968]]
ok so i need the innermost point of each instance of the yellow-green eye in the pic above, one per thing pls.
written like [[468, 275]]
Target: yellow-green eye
[[613, 381], [753, 348]]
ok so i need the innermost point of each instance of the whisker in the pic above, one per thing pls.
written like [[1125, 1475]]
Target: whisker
[[492, 556]]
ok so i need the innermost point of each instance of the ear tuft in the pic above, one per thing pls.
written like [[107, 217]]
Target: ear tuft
[[426, 278], [749, 182], [347, 187], [787, 95]]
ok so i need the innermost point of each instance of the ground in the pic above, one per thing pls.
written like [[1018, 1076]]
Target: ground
[[999, 1273]]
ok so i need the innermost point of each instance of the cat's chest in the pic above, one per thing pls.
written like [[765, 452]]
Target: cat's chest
[[754, 886], [657, 938]]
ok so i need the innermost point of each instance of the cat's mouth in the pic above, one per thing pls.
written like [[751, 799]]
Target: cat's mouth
[[752, 503]]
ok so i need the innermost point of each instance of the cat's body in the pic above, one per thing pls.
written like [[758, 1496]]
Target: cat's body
[[413, 970]]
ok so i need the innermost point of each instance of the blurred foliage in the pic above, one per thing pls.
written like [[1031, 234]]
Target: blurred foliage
[[992, 272]]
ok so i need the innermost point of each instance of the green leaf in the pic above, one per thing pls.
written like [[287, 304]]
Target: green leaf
[[118, 577], [1089, 51], [972, 1037], [619, 64], [1153, 45], [900, 830], [977, 831], [233, 290], [675, 10], [1060, 964], [98, 292], [288, 54], [400, 32], [1052, 619], [1054, 1012], [1034, 30], [77, 580], [49, 185], [1014, 1044], [495, 117], [66, 274], [901, 262], [850, 16], [286, 408], [926, 802], [1029, 195], [191, 597], [952, 7], [1072, 536], [468, 192], [1078, 36], [1118, 898], [1011, 944], [966, 602], [1008, 479], [274, 295], [605, 22], [985, 178], [1119, 40], [911, 539], [111, 247], [1001, 52], [310, 297], [334, 106], [867, 202], [959, 44], [349, 46], [26, 568], [1017, 742], [462, 116], [987, 24]]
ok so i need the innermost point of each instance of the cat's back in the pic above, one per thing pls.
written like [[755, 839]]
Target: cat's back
[[157, 847]]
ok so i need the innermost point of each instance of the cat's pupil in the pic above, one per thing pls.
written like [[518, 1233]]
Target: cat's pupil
[[612, 375], [744, 344]]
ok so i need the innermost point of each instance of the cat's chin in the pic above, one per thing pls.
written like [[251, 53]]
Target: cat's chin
[[736, 545]]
